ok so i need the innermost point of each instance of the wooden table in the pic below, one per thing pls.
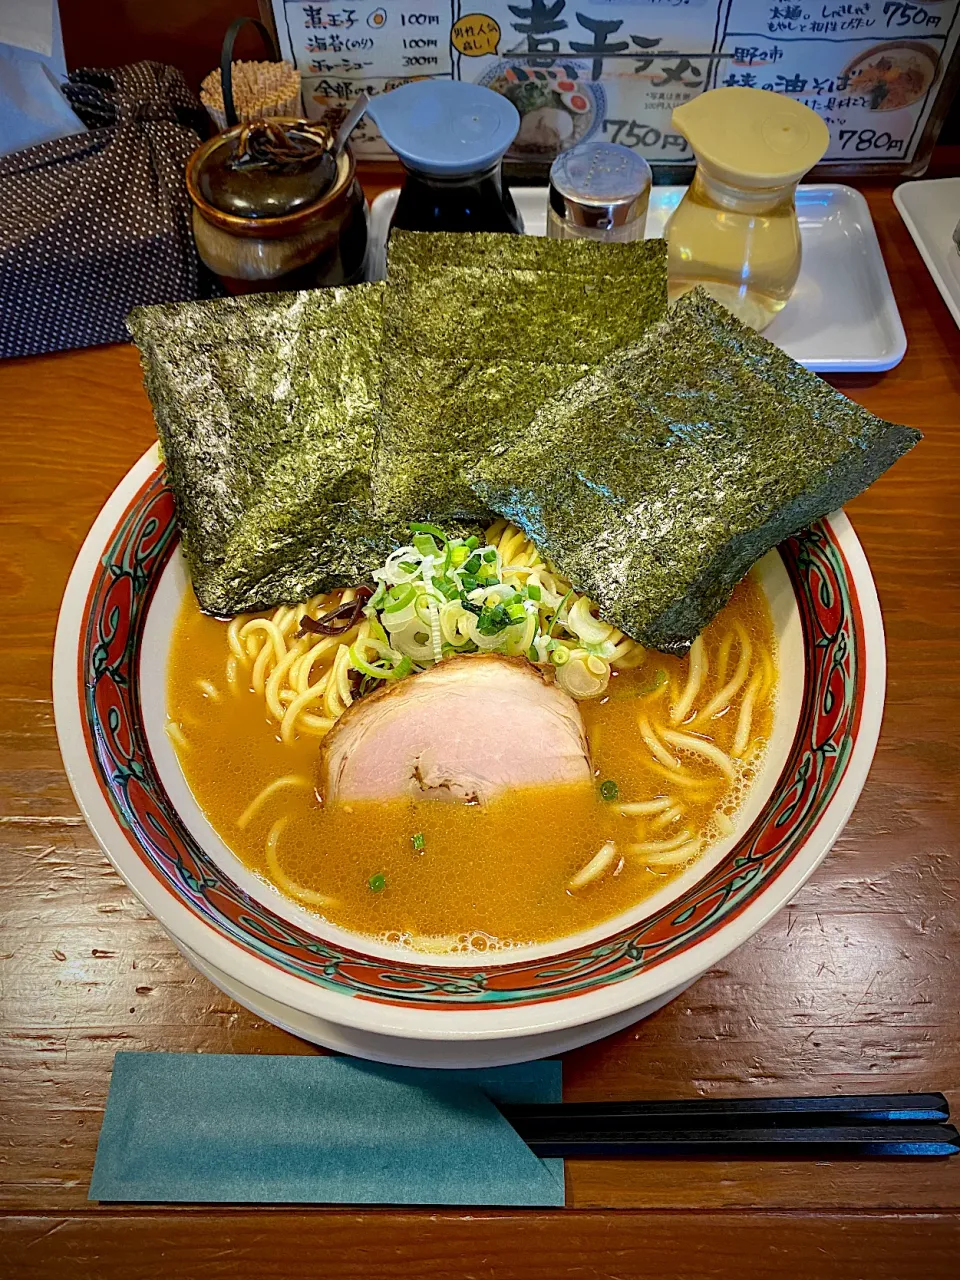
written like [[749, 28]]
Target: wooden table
[[854, 986]]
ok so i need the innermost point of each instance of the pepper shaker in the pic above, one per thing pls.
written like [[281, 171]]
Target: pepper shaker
[[599, 191]]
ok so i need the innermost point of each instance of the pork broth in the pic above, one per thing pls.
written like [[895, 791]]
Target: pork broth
[[445, 876]]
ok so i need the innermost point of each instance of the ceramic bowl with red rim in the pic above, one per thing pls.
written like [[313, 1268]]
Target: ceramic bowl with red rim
[[112, 643]]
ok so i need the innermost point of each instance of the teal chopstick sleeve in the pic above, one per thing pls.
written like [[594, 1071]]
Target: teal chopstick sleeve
[[249, 1129]]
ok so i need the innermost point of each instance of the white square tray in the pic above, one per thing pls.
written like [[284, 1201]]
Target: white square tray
[[843, 317], [931, 210]]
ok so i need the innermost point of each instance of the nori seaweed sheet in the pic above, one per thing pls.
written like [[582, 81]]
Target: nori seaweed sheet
[[479, 330], [266, 407], [656, 481], [428, 251]]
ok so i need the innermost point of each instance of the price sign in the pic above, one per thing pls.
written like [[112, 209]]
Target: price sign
[[615, 69]]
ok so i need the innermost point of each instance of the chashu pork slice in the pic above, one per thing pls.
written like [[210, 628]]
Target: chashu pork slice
[[464, 730]]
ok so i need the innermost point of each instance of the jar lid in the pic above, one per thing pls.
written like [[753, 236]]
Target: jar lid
[[752, 137], [445, 127], [267, 169], [599, 184]]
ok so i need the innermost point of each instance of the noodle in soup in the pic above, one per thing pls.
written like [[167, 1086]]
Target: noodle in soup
[[674, 745]]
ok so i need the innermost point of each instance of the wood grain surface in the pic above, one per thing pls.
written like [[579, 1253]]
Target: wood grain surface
[[853, 986]]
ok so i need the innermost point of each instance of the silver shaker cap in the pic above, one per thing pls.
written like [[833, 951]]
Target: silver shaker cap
[[599, 185]]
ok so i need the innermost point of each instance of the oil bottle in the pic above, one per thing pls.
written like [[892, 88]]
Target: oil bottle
[[735, 232]]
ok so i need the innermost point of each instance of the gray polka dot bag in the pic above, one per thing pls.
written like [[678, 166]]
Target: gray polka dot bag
[[97, 223]]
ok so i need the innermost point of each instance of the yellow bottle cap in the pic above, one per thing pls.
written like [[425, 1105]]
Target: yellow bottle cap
[[752, 137]]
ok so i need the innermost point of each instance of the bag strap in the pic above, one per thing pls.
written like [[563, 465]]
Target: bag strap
[[226, 62]]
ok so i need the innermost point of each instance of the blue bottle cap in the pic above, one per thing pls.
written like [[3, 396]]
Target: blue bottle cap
[[445, 127]]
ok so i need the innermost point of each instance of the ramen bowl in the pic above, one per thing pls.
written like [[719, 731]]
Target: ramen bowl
[[112, 642]]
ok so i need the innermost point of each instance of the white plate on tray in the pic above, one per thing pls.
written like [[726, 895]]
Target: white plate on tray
[[843, 317], [931, 210]]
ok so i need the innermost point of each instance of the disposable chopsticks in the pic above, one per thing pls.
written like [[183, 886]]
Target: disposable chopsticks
[[902, 1125], [880, 1108], [856, 1141]]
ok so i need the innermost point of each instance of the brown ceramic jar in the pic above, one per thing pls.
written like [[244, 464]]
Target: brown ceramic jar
[[314, 245]]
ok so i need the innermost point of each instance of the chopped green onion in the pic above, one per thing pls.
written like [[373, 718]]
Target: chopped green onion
[[425, 545], [432, 529], [400, 597], [378, 882], [604, 649], [413, 595], [658, 681], [422, 607], [559, 655], [386, 670], [492, 621], [377, 632], [359, 663], [556, 616], [418, 841], [609, 790]]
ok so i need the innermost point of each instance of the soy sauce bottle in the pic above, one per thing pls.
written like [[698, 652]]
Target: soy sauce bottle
[[450, 138]]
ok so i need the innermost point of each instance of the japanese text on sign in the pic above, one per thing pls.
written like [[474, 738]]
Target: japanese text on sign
[[615, 69]]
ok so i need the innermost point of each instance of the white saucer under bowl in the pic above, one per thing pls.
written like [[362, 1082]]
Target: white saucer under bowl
[[449, 1054]]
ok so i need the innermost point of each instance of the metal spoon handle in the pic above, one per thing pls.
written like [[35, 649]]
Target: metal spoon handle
[[350, 122]]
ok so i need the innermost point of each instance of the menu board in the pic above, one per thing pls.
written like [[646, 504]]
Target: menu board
[[615, 69]]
